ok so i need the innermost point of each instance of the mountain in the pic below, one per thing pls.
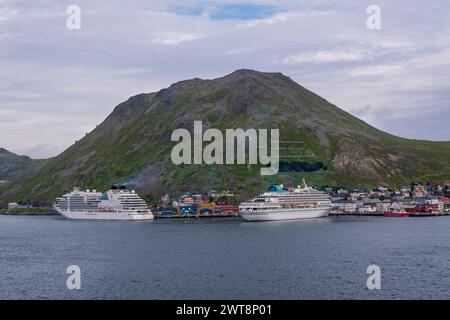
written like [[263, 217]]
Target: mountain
[[320, 142], [14, 166]]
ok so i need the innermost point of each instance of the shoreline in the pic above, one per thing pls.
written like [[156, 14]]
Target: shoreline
[[28, 212]]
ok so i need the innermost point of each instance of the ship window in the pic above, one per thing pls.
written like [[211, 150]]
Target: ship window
[[103, 197]]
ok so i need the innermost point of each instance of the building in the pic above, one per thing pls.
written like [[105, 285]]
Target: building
[[405, 191], [383, 206], [165, 199], [345, 206], [367, 209], [446, 203], [419, 191], [436, 205], [13, 205], [189, 201], [357, 195]]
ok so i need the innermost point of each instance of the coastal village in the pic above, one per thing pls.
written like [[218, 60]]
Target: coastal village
[[410, 200], [416, 199]]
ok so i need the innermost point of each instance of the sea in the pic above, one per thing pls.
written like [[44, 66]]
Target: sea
[[327, 258]]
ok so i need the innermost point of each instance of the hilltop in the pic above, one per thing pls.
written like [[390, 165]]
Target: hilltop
[[13, 166], [322, 143]]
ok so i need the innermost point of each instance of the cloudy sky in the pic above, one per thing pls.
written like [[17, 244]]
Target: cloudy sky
[[56, 84]]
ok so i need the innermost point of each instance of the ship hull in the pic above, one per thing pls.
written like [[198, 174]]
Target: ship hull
[[98, 215], [396, 214], [285, 214]]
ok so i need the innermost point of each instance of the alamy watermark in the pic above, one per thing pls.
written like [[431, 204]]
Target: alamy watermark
[[374, 19], [74, 280], [374, 280], [213, 152], [73, 21]]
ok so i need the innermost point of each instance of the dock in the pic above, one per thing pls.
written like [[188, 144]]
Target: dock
[[355, 214], [159, 215]]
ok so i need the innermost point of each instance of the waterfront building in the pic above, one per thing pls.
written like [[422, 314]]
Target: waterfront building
[[188, 200], [13, 205], [367, 209], [383, 206], [345, 206]]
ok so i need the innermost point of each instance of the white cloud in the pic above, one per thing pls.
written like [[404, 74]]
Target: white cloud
[[283, 17], [76, 78], [325, 56], [6, 14], [376, 70], [172, 38], [238, 51]]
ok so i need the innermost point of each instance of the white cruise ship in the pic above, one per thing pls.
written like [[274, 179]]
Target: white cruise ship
[[278, 203], [115, 204]]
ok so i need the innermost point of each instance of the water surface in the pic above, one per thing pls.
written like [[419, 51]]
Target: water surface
[[215, 259]]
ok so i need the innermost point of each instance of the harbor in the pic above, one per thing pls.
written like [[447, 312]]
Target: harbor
[[276, 203]]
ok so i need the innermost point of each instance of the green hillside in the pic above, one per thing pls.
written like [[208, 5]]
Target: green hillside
[[320, 142], [13, 166]]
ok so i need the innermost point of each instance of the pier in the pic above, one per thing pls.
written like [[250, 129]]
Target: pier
[[159, 215]]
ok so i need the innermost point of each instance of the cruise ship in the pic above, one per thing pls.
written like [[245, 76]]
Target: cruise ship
[[279, 203], [115, 204]]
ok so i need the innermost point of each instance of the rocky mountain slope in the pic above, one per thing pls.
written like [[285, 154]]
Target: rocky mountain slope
[[13, 166], [319, 142]]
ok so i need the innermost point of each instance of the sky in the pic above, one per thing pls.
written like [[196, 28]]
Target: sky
[[57, 83]]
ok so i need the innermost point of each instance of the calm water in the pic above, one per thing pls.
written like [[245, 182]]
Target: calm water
[[207, 259]]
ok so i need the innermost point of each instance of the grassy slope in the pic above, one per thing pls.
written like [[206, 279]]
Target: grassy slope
[[134, 142]]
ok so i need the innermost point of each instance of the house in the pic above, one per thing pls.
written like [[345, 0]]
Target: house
[[185, 195], [165, 199], [419, 191], [367, 209], [357, 195], [380, 192], [213, 193], [369, 205], [345, 206], [436, 205], [405, 191], [188, 200], [383, 206], [13, 205], [445, 202]]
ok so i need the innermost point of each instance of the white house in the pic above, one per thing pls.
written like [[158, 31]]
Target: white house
[[13, 205]]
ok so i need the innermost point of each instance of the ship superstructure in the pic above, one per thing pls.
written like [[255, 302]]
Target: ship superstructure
[[279, 203], [114, 204]]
